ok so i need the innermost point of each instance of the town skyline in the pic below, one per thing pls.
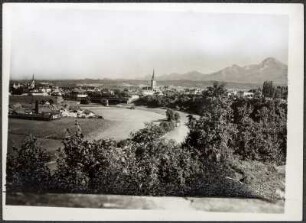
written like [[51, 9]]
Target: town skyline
[[269, 69]]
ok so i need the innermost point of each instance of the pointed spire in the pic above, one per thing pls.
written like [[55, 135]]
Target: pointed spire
[[153, 75], [33, 77]]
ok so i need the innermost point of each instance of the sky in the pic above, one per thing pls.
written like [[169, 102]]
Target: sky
[[77, 43]]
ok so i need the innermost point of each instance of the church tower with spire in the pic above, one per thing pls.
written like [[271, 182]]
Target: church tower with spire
[[32, 84], [153, 82]]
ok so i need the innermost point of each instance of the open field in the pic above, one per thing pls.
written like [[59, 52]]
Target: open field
[[55, 129], [124, 121], [50, 133], [118, 123]]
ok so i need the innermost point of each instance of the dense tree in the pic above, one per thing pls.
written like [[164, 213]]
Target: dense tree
[[268, 89], [261, 129], [217, 90], [170, 114], [211, 134], [177, 117]]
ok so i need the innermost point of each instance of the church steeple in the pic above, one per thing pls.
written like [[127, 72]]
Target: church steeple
[[153, 82], [153, 76], [32, 84]]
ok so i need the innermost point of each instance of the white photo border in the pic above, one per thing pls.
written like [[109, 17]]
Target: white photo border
[[294, 167]]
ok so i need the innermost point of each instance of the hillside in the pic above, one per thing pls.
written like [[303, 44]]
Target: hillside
[[269, 69]]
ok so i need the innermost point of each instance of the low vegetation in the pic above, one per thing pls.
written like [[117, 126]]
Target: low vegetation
[[232, 150]]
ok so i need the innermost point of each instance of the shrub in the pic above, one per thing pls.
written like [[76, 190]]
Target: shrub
[[177, 117], [170, 114], [167, 126], [27, 168], [148, 134], [261, 130], [157, 167], [210, 137]]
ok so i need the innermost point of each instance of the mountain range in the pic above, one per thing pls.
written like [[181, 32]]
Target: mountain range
[[270, 69]]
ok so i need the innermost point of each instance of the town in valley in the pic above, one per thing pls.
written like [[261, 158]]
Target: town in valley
[[141, 109]]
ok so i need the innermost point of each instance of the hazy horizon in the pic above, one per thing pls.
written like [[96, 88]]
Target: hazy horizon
[[55, 43]]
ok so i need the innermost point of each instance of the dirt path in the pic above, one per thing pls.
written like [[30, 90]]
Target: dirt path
[[179, 133]]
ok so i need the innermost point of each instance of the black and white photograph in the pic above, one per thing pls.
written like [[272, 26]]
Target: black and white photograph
[[186, 108]]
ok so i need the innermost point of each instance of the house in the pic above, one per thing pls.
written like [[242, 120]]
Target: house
[[147, 92], [245, 94], [78, 95], [45, 112], [132, 98]]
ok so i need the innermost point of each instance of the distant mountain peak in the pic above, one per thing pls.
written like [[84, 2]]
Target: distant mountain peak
[[269, 69], [270, 61], [235, 66]]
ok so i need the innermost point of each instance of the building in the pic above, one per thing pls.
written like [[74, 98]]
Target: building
[[147, 91], [150, 90], [245, 94], [78, 95], [32, 84], [16, 86], [132, 98], [153, 82], [40, 112]]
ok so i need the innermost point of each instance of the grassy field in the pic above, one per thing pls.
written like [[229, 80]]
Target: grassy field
[[55, 129], [118, 123], [124, 121], [50, 133]]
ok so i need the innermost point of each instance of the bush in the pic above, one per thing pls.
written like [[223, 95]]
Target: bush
[[157, 167], [27, 168], [261, 130], [148, 134], [85, 101], [177, 117], [167, 126], [210, 137], [170, 115]]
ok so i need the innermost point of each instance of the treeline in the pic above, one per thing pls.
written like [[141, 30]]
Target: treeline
[[179, 101], [252, 129], [195, 104], [272, 91]]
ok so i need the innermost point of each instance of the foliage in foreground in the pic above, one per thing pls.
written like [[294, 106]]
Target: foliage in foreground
[[27, 167], [213, 161], [157, 167]]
